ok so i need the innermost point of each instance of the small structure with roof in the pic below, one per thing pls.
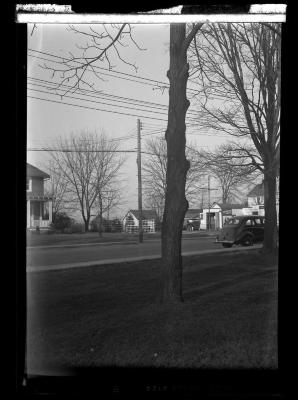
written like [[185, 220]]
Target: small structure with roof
[[131, 221], [39, 206], [215, 216]]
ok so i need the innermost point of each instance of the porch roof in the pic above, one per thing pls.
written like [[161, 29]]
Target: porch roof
[[230, 206], [146, 214], [33, 172], [193, 213], [257, 191], [31, 196]]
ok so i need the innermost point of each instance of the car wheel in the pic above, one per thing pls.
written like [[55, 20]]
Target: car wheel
[[227, 244], [247, 241]]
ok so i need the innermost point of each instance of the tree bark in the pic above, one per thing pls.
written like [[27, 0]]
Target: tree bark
[[270, 234], [176, 204], [86, 223], [100, 218]]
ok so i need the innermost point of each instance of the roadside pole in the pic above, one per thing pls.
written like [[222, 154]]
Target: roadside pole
[[140, 183], [209, 219]]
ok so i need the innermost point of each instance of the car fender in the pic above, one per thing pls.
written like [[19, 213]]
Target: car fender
[[243, 234]]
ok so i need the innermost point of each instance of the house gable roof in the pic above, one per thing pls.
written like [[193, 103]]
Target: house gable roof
[[193, 212], [258, 190], [34, 172], [230, 206], [147, 214]]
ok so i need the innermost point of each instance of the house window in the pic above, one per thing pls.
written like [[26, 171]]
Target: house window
[[29, 185]]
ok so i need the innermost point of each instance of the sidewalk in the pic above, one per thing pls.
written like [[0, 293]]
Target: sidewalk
[[140, 258]]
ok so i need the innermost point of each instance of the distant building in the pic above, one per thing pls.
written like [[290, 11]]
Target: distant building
[[256, 195], [215, 217], [39, 206], [131, 221], [192, 219], [255, 199]]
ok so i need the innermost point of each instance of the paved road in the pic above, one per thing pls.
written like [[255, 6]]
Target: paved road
[[98, 252]]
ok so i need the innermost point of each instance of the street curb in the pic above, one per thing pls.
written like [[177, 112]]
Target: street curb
[[79, 244], [133, 259]]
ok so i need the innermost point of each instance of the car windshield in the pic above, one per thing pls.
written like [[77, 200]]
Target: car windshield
[[232, 221]]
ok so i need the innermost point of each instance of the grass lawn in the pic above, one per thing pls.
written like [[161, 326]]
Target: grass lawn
[[45, 239], [110, 315]]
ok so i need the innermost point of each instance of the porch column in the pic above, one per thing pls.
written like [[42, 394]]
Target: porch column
[[50, 210], [40, 213], [220, 220], [28, 214]]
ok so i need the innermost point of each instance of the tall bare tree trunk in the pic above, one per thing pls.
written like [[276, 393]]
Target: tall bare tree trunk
[[176, 204], [270, 234], [86, 223], [100, 217]]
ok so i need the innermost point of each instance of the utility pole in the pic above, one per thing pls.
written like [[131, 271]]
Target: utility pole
[[140, 183], [209, 219], [208, 188], [202, 201]]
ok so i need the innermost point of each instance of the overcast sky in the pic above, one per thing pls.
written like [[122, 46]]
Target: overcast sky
[[46, 121]]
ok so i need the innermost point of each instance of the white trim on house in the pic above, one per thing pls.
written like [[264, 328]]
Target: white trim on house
[[148, 225], [29, 180]]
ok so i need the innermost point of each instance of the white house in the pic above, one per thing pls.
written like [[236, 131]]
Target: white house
[[39, 206], [131, 221], [256, 196], [255, 199]]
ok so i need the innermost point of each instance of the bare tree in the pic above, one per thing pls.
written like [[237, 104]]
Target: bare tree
[[90, 165], [56, 188], [154, 174], [176, 203], [237, 67], [98, 48], [108, 198], [230, 174], [103, 45]]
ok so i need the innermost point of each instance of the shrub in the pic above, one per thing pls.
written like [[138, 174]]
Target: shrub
[[116, 225], [61, 221], [113, 225], [77, 228]]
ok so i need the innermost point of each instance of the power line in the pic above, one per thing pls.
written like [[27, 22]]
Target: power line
[[97, 102], [119, 138], [87, 151], [98, 92], [104, 69], [110, 72], [94, 108], [108, 97]]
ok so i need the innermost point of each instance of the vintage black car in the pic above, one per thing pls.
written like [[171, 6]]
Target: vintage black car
[[193, 225], [244, 230]]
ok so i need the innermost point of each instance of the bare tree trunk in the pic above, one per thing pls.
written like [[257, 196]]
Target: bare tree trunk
[[100, 217], [270, 234], [176, 204], [86, 224]]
